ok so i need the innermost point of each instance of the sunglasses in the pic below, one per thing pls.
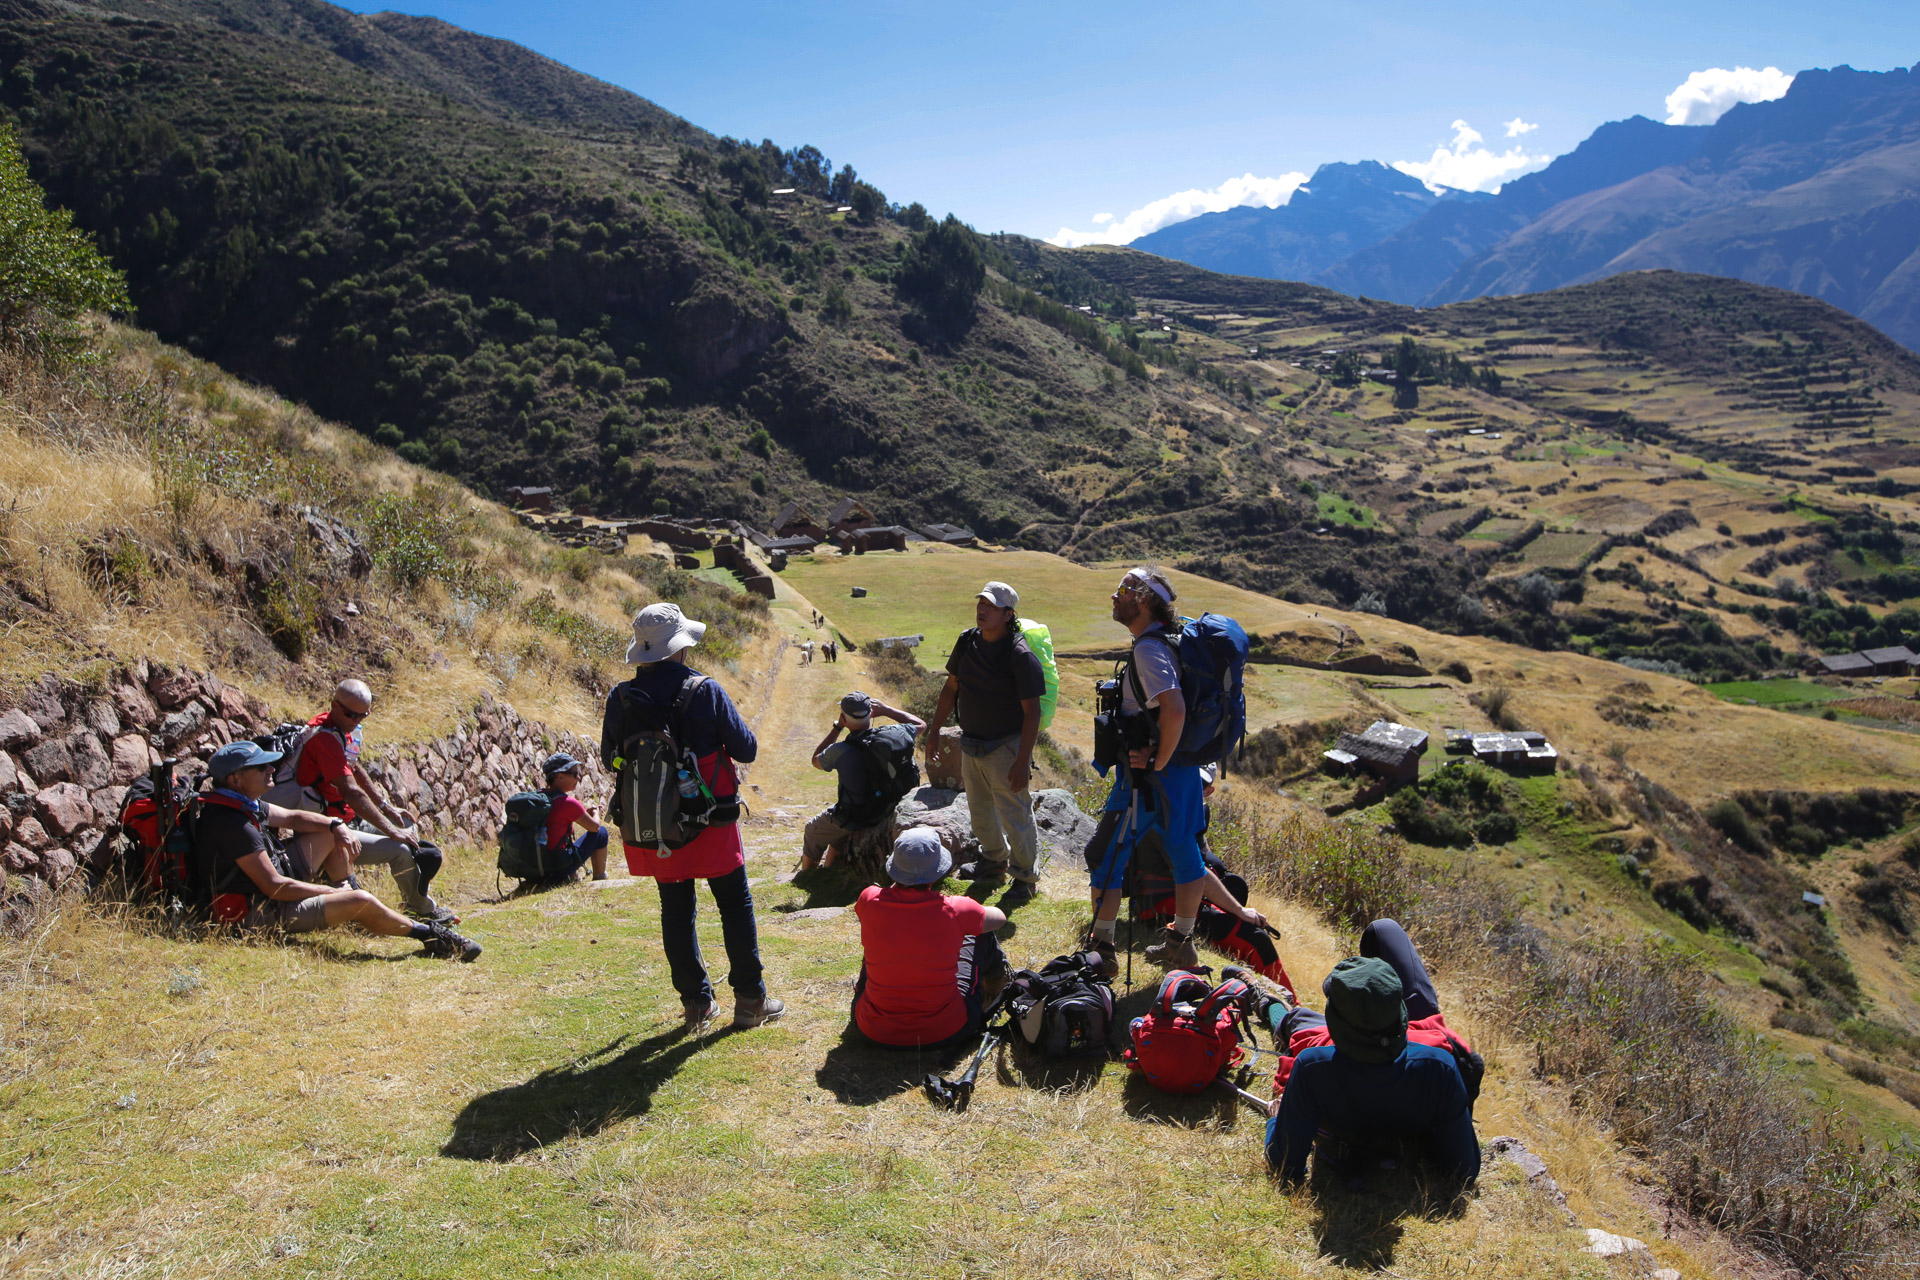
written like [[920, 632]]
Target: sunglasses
[[349, 713]]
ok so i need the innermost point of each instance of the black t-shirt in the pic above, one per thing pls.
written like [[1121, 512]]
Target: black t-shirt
[[223, 836], [994, 679], [848, 759]]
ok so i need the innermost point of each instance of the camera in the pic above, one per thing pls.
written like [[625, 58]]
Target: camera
[[1115, 732]]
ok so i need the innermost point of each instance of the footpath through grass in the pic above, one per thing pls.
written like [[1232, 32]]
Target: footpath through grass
[[337, 1107]]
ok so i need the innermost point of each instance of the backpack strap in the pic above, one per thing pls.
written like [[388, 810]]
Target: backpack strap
[[1231, 993], [1173, 984], [1165, 637]]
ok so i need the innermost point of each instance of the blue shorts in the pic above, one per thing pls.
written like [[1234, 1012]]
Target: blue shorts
[[1179, 815]]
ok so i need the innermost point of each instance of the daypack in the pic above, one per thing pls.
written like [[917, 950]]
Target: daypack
[[647, 801], [891, 772], [523, 836], [1190, 1036], [1064, 1009], [156, 842], [1212, 650], [289, 740], [1040, 641]]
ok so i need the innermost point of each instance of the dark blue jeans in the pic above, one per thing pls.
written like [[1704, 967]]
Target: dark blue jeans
[[1381, 940], [737, 930], [575, 854]]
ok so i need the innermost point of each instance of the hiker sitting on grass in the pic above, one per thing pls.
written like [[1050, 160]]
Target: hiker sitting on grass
[[929, 961], [565, 852], [864, 799], [1380, 1065], [1225, 920], [257, 885]]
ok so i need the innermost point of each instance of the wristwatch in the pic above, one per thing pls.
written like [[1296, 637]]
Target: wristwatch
[[336, 824]]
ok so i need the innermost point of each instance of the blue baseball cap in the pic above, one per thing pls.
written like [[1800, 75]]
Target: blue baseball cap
[[239, 755], [560, 762]]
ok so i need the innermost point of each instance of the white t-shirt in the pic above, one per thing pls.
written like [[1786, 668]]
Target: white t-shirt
[[1156, 667]]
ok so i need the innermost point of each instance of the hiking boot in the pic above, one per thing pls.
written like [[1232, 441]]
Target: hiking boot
[[432, 913], [992, 984], [1174, 951], [697, 1015], [445, 944], [983, 871], [1258, 1002], [752, 1013], [1109, 958], [1019, 895]]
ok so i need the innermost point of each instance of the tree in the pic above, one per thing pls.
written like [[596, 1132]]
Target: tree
[[836, 307], [942, 273], [50, 273], [841, 190], [867, 201], [915, 217]]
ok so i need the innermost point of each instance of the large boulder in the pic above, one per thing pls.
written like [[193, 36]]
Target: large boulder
[[17, 729], [63, 809], [1064, 828]]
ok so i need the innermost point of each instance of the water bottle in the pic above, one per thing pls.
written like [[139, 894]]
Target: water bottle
[[689, 785]]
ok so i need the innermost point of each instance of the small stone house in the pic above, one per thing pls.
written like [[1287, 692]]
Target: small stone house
[[951, 534], [1896, 661], [1846, 664], [1386, 749], [848, 515], [795, 521], [532, 497]]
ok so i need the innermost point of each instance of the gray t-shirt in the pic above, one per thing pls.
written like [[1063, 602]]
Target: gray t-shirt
[[1156, 667]]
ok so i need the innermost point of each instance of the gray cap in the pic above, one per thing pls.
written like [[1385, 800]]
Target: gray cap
[[857, 705], [660, 631], [919, 858], [561, 762], [999, 593]]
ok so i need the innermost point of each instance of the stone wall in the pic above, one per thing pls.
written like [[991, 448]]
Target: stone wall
[[68, 752]]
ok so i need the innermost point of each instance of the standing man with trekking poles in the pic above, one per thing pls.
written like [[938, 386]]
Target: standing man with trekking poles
[[1150, 791], [995, 682]]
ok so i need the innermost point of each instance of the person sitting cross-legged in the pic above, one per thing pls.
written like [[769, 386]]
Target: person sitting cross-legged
[[565, 852], [257, 885], [1380, 1065], [929, 960]]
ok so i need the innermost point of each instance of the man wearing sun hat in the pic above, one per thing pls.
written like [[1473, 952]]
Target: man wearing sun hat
[[995, 683], [929, 960], [667, 694]]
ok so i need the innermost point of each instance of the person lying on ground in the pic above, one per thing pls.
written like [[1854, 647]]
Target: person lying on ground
[[710, 727], [930, 963], [256, 884], [995, 682], [564, 850], [1379, 1066], [1225, 919], [327, 778], [864, 800]]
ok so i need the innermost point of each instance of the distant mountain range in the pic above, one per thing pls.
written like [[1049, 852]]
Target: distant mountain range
[[1818, 191]]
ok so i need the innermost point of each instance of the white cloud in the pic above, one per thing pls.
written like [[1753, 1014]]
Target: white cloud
[[1268, 193], [1705, 96], [1469, 166], [1516, 127]]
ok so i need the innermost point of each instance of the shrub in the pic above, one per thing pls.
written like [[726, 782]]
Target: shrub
[[1730, 820], [50, 273], [1457, 670]]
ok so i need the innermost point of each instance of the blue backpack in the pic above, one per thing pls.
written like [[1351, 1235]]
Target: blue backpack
[[1212, 650]]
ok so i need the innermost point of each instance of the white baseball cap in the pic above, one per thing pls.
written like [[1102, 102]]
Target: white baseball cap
[[999, 593]]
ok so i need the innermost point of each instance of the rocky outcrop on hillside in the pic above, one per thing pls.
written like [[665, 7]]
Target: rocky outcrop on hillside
[[70, 749]]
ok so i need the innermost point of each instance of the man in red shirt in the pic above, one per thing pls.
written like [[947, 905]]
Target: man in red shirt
[[563, 775], [930, 961], [327, 778]]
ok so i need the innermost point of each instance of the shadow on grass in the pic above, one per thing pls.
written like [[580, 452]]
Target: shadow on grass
[[825, 887], [1217, 1108], [860, 1073], [1030, 1069], [1361, 1228], [576, 1099]]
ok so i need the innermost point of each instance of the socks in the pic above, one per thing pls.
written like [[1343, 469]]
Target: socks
[[421, 933], [1183, 925], [1103, 929]]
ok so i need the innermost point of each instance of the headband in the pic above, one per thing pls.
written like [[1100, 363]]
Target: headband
[[1140, 578]]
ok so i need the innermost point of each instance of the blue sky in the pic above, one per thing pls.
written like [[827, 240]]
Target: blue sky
[[1038, 118]]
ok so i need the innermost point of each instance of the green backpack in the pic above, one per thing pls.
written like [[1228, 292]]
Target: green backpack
[[523, 836], [1040, 641]]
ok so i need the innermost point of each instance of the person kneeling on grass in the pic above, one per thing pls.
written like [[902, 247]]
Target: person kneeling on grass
[[568, 854], [1379, 1066], [256, 884], [930, 963]]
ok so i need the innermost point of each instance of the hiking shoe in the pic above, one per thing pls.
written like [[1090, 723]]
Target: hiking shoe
[[992, 984], [1258, 1001], [983, 871], [1174, 951], [433, 913], [752, 1013], [1109, 958], [697, 1015], [445, 944], [1019, 895]]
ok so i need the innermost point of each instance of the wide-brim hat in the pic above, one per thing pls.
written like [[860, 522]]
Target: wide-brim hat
[[660, 631], [918, 858], [1366, 1009]]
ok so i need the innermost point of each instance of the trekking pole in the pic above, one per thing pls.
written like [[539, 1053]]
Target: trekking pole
[[1254, 1098], [954, 1095]]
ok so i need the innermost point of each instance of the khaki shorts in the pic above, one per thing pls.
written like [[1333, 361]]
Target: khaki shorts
[[303, 916]]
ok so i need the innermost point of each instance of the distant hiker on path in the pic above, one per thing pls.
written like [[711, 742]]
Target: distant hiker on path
[[833, 651], [929, 962], [806, 654], [257, 885], [322, 774], [995, 682], [875, 768], [704, 722], [1154, 712]]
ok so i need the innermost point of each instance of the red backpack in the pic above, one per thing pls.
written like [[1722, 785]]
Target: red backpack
[[1190, 1036]]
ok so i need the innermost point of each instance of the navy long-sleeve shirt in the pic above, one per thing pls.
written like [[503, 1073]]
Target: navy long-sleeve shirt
[[711, 722], [1419, 1094]]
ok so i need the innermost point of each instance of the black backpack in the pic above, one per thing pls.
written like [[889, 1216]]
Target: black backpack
[[891, 773], [1065, 1009], [523, 836], [647, 803]]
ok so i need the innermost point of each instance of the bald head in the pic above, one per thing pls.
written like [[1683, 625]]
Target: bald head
[[354, 691]]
